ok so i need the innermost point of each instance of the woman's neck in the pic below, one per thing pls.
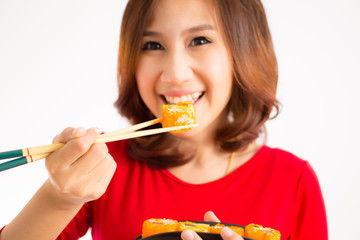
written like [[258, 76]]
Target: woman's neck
[[210, 164]]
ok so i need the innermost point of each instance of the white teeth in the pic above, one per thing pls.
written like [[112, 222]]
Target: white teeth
[[185, 98], [176, 100], [195, 94], [189, 98]]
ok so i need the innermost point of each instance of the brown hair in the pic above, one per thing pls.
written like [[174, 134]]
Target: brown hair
[[254, 86]]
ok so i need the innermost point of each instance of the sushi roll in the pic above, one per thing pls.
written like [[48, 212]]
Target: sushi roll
[[179, 114], [238, 230], [255, 231], [155, 226], [259, 232], [197, 227], [216, 228]]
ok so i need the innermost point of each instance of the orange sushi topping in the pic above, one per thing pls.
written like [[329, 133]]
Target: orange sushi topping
[[259, 232], [155, 226], [180, 114], [218, 227], [238, 230], [197, 227]]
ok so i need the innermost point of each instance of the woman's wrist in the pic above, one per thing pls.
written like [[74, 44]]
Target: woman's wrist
[[58, 199]]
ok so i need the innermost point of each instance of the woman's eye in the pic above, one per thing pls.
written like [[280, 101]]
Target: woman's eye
[[199, 41], [152, 46]]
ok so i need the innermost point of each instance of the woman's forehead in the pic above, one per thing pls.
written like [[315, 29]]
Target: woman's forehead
[[183, 14]]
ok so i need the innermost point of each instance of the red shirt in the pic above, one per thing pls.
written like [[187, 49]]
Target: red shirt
[[274, 188]]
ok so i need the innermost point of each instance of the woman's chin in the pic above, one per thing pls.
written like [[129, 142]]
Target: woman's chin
[[191, 133]]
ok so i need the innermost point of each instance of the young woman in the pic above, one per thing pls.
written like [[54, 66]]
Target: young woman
[[219, 56]]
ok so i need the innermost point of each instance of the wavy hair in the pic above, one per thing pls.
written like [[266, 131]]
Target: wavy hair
[[255, 76]]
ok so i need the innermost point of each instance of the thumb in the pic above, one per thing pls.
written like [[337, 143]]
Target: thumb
[[210, 217], [228, 234], [188, 234]]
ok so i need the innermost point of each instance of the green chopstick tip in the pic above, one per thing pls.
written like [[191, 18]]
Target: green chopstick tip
[[13, 163], [11, 154]]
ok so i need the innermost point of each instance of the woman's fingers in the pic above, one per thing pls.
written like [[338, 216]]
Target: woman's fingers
[[81, 170], [78, 142], [228, 234], [66, 134], [210, 217], [189, 235], [92, 158], [96, 181]]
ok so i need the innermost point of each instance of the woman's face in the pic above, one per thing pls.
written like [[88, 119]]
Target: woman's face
[[184, 58]]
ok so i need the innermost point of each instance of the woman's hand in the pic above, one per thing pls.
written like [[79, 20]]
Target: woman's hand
[[81, 170], [226, 233]]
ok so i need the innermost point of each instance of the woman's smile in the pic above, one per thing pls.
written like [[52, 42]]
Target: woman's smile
[[175, 98]]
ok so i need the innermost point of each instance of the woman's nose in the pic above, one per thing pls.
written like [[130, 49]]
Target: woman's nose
[[176, 68]]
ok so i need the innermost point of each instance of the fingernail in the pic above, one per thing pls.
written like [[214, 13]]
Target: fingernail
[[97, 130], [226, 232], [188, 235], [78, 132]]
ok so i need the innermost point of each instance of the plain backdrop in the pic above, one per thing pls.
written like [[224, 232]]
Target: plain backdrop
[[58, 68]]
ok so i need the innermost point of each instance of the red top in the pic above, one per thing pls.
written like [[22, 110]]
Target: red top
[[274, 188]]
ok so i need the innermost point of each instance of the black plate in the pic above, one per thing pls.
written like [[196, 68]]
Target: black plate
[[177, 235]]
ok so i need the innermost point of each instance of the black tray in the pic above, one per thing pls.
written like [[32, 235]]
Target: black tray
[[177, 235]]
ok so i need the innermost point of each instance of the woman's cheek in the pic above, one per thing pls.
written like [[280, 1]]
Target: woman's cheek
[[146, 75], [217, 66]]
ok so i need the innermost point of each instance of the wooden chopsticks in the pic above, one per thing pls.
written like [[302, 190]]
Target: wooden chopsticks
[[28, 155]]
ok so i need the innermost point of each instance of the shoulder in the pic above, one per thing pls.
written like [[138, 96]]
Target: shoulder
[[292, 165], [286, 159], [283, 162]]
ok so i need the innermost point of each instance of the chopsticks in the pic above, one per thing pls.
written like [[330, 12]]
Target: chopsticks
[[28, 155], [22, 160], [53, 147]]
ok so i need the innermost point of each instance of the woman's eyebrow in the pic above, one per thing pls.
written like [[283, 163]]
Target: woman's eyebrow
[[151, 33], [198, 28]]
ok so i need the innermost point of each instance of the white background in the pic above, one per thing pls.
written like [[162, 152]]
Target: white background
[[58, 68]]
